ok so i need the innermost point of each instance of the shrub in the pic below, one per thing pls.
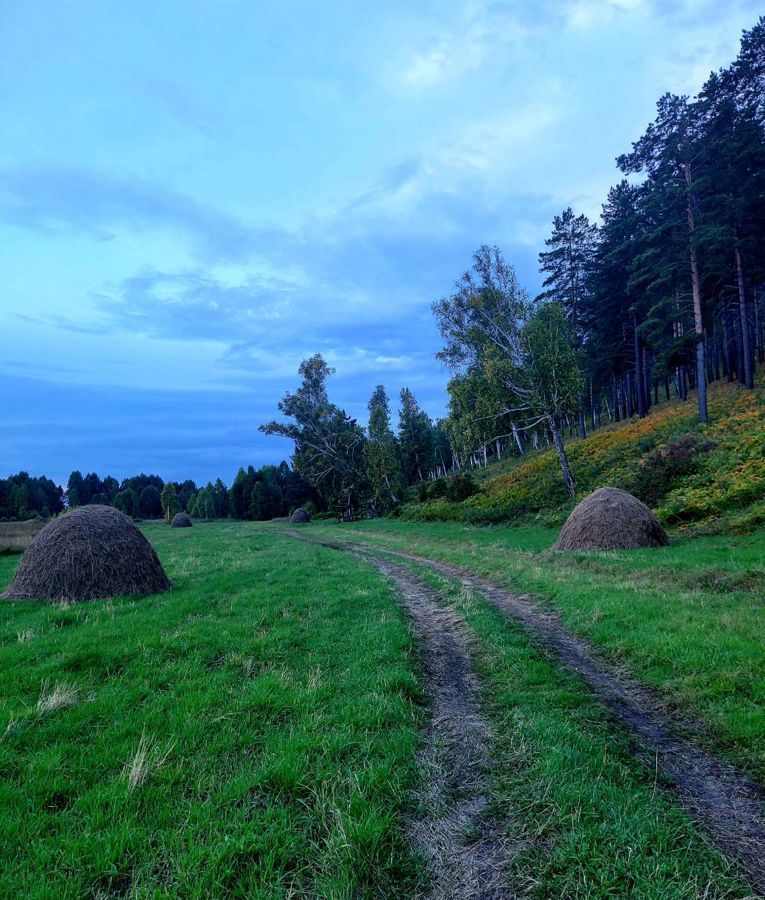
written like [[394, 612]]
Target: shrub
[[659, 470], [459, 487]]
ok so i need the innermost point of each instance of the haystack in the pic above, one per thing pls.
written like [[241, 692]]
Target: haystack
[[88, 554], [300, 517], [181, 520], [610, 519]]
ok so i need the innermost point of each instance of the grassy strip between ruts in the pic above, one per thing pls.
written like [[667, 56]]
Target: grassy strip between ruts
[[251, 733], [586, 818], [688, 619]]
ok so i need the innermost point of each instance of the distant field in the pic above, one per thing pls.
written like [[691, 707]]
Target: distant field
[[254, 732], [15, 536]]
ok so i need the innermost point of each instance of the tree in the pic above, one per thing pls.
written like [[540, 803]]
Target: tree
[[415, 438], [149, 502], [127, 502], [75, 490], [568, 263], [220, 499], [186, 492], [169, 500], [550, 375], [530, 355], [486, 310], [240, 496], [329, 444], [381, 454], [672, 154]]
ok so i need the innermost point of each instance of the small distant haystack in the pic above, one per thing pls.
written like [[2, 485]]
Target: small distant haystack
[[181, 520], [88, 554], [300, 517], [610, 519]]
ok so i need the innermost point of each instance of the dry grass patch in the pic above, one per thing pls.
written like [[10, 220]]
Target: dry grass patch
[[15, 537], [59, 696], [149, 756]]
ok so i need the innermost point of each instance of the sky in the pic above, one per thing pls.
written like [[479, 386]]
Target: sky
[[195, 196]]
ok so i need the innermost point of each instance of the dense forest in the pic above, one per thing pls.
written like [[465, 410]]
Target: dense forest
[[255, 494], [665, 294]]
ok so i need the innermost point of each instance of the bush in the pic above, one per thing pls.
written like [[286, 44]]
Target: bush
[[657, 473], [460, 487], [436, 490]]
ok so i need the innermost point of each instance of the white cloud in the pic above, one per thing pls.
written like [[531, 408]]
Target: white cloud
[[446, 52]]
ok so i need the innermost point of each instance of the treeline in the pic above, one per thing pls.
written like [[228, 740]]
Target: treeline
[[665, 293], [255, 494], [348, 466], [24, 497]]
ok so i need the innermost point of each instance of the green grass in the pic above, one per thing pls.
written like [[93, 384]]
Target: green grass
[[688, 619], [585, 817], [707, 478], [274, 691], [270, 709]]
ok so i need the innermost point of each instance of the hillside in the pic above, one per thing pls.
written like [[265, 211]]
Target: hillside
[[704, 478]]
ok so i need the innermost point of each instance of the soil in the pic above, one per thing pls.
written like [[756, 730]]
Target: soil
[[464, 846]]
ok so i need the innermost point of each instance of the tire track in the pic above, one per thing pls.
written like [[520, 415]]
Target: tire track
[[465, 849], [725, 802]]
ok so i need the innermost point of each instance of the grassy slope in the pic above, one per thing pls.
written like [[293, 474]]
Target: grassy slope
[[725, 484], [278, 681], [688, 619]]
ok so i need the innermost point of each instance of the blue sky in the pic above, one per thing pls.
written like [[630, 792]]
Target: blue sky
[[194, 196]]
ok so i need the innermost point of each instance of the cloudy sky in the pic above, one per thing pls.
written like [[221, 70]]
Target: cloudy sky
[[197, 194]]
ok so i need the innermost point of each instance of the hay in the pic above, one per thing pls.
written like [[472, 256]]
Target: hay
[[181, 520], [88, 554], [610, 519], [300, 517]]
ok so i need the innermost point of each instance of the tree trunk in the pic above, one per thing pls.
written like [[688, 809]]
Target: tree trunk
[[639, 379], [746, 346], [568, 478], [517, 437], [698, 322], [581, 430]]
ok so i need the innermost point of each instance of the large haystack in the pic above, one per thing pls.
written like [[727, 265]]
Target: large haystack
[[181, 520], [300, 517], [610, 519], [88, 554]]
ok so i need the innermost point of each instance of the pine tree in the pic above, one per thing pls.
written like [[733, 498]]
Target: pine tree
[[415, 438], [381, 454]]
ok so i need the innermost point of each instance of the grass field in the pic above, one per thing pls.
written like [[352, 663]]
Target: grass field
[[253, 732], [688, 619], [15, 537], [249, 734]]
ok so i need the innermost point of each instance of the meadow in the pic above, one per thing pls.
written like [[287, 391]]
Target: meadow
[[255, 732], [250, 733]]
